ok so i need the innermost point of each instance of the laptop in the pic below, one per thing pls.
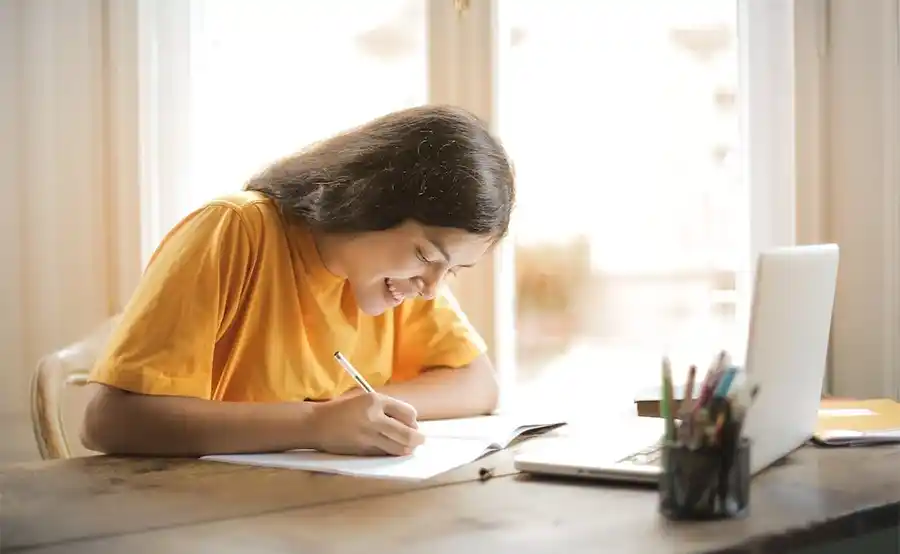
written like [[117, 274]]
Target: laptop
[[787, 345]]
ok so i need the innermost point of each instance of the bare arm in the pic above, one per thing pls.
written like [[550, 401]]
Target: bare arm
[[450, 393], [120, 422]]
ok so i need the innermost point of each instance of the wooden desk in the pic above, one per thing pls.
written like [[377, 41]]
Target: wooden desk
[[107, 505]]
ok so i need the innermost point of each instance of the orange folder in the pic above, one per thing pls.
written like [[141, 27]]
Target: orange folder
[[844, 422]]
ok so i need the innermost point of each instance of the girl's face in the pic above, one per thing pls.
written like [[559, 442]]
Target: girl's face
[[385, 268]]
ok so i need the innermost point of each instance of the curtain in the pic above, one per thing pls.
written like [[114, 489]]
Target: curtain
[[69, 176]]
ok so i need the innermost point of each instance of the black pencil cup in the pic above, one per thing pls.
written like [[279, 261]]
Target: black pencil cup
[[706, 483]]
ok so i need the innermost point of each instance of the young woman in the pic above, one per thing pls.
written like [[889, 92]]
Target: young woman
[[227, 344]]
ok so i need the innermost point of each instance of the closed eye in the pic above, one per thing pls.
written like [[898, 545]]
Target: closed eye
[[421, 256], [424, 259]]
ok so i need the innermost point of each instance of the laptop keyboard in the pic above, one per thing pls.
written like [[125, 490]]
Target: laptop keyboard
[[645, 457]]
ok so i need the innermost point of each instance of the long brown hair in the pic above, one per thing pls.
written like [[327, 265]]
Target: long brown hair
[[437, 165]]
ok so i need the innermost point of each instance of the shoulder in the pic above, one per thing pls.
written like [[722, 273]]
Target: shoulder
[[241, 216], [255, 211], [228, 225]]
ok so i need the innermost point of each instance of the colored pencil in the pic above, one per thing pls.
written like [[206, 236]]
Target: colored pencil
[[667, 400]]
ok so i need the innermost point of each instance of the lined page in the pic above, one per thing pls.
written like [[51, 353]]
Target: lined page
[[435, 456], [493, 429]]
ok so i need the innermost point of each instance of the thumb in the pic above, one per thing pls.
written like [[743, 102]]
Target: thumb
[[401, 411]]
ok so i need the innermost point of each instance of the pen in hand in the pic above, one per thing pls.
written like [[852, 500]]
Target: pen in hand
[[360, 380], [353, 373]]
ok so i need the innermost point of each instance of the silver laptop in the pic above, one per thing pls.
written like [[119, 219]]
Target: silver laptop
[[790, 322]]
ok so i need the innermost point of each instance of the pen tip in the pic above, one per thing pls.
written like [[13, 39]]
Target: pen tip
[[666, 366]]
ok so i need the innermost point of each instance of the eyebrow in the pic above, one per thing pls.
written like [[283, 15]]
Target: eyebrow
[[443, 251]]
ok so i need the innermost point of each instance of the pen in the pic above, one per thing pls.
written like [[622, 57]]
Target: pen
[[725, 383], [705, 390], [352, 371], [360, 380], [684, 408], [712, 379], [667, 407], [687, 398], [723, 362]]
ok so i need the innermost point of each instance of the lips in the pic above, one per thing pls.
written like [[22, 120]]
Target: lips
[[395, 295]]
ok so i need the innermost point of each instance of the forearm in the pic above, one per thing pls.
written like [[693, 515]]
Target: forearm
[[117, 422], [449, 393]]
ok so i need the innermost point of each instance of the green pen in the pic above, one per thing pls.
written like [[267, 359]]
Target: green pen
[[667, 400]]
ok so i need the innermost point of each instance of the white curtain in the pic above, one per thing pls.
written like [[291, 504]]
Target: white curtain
[[69, 251]]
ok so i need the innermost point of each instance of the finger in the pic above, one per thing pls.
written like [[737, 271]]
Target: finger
[[401, 411], [400, 433], [389, 446]]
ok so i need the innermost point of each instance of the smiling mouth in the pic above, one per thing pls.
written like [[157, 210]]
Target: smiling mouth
[[392, 291]]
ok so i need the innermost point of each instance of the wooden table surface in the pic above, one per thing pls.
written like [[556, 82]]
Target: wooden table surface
[[113, 505]]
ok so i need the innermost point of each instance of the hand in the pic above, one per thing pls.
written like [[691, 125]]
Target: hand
[[366, 424], [352, 391]]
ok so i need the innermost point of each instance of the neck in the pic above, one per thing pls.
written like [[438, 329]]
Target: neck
[[329, 247]]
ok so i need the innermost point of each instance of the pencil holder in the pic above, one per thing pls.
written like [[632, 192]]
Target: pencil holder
[[704, 483]]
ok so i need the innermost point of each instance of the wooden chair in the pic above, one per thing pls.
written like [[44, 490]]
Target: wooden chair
[[69, 366]]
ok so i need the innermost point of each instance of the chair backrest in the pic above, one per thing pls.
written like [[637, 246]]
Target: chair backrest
[[68, 366]]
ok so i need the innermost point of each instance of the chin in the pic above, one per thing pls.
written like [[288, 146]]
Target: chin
[[376, 299], [373, 308], [371, 301]]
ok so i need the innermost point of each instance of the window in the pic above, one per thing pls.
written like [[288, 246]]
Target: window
[[645, 185], [632, 220], [271, 76]]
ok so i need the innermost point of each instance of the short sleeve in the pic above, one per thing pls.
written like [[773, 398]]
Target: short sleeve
[[189, 293], [434, 333]]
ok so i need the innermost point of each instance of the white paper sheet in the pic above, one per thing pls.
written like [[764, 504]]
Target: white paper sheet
[[845, 412], [495, 429], [848, 437], [437, 455], [448, 445]]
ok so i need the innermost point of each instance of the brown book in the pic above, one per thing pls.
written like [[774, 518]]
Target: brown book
[[647, 400], [647, 403]]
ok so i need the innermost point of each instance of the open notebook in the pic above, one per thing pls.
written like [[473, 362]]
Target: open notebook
[[858, 422], [449, 443]]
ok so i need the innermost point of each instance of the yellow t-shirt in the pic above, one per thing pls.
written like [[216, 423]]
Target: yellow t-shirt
[[236, 305]]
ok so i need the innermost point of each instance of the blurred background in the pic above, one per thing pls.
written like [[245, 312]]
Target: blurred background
[[658, 145], [623, 122]]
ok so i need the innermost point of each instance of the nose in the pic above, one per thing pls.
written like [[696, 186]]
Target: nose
[[428, 284], [428, 290]]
